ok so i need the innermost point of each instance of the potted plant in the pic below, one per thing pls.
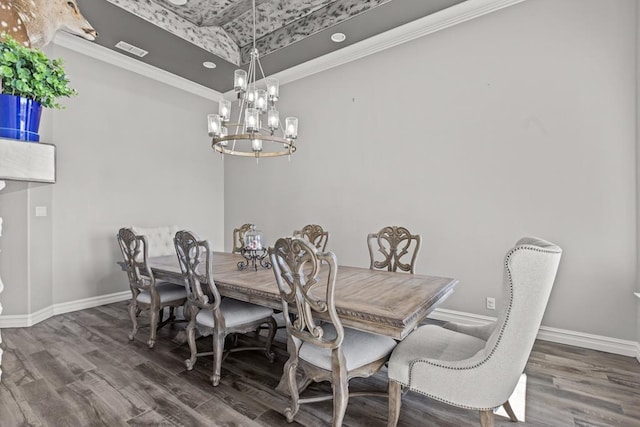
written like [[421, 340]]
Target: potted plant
[[30, 81]]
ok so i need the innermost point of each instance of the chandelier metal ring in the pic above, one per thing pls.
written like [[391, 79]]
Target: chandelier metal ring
[[218, 146]]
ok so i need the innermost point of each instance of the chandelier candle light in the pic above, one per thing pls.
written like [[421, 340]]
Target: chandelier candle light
[[256, 100]]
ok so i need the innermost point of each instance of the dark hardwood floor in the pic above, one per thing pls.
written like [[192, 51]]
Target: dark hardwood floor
[[79, 369]]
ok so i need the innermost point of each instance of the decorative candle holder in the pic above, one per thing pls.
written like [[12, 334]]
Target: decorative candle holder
[[253, 258], [253, 251]]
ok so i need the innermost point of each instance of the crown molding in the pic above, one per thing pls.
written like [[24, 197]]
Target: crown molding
[[441, 20], [446, 18], [101, 53]]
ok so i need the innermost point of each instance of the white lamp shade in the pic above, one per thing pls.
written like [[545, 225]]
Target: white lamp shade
[[273, 119], [273, 88], [240, 80], [291, 128], [213, 124], [252, 120], [261, 100], [224, 110], [224, 132]]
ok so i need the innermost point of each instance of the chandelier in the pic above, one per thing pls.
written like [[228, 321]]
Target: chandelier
[[251, 133]]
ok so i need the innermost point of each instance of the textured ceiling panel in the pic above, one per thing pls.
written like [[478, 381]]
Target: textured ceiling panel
[[213, 39], [207, 13], [177, 45], [321, 19], [270, 16]]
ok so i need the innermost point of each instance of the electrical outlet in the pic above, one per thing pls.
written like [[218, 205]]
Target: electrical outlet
[[491, 303], [41, 211]]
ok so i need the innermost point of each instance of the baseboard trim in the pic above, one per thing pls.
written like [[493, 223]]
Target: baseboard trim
[[26, 320], [561, 336], [546, 333]]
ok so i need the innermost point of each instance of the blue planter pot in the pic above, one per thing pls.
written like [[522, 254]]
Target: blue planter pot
[[19, 118]]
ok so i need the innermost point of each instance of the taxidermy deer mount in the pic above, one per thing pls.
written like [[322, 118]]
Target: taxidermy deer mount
[[35, 22]]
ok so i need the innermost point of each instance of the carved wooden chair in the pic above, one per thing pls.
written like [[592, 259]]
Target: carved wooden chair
[[478, 367], [210, 313], [394, 243], [147, 294], [238, 237], [325, 351], [315, 234]]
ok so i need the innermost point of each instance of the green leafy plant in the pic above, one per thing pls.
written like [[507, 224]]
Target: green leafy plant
[[29, 73]]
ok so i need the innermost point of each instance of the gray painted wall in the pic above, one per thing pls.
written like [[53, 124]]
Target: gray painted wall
[[521, 122], [131, 151], [638, 174]]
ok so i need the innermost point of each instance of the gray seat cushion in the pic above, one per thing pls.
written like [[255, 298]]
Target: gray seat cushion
[[235, 313], [166, 291], [431, 342], [359, 348]]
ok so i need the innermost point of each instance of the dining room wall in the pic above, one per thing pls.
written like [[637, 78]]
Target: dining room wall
[[130, 151], [521, 122], [638, 178]]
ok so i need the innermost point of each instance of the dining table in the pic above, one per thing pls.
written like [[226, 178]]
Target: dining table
[[377, 301]]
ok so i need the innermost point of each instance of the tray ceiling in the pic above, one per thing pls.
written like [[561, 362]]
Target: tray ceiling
[[289, 32]]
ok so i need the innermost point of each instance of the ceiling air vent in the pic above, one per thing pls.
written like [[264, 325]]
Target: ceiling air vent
[[131, 49]]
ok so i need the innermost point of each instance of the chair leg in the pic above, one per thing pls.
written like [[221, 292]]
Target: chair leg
[[218, 350], [486, 418], [395, 401], [191, 338], [340, 386], [509, 410], [153, 326], [133, 314], [290, 369], [273, 328]]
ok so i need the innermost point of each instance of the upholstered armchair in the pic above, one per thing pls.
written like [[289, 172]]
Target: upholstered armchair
[[478, 368]]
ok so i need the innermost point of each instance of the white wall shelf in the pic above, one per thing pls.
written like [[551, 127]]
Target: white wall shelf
[[27, 161]]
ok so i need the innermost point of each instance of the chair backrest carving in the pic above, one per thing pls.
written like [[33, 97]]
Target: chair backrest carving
[[394, 243], [297, 268], [134, 250], [196, 262], [238, 237], [315, 234]]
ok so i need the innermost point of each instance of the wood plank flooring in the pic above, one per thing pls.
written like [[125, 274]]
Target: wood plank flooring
[[79, 369]]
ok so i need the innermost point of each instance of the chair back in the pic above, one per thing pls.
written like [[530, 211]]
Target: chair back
[[529, 272], [196, 262], [134, 250], [394, 243], [238, 237], [300, 269], [315, 234]]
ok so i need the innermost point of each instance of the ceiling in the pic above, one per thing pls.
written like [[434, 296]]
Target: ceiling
[[288, 32]]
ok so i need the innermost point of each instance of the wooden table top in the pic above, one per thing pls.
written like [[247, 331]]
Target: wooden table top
[[382, 302]]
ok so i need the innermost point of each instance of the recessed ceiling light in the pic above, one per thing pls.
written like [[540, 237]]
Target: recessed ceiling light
[[208, 64], [338, 37], [178, 2]]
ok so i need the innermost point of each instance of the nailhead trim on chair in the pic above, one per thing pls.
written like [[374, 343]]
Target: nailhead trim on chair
[[506, 265]]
